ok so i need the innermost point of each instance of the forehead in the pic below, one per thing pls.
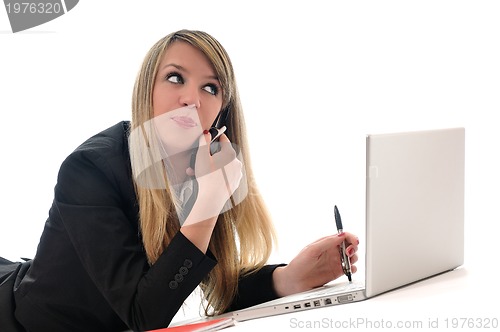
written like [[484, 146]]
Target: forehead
[[187, 56]]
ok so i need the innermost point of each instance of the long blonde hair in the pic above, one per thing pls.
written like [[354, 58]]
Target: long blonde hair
[[243, 238]]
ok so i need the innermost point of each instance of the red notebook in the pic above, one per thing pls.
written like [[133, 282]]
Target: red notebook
[[207, 325]]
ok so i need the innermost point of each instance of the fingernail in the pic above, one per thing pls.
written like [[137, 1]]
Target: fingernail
[[350, 252], [341, 234], [205, 131]]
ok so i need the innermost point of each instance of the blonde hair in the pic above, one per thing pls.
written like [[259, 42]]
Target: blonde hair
[[244, 235]]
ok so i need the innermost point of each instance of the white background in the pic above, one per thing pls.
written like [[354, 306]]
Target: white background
[[314, 76]]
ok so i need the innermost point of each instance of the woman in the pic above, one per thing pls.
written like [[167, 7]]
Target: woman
[[144, 212]]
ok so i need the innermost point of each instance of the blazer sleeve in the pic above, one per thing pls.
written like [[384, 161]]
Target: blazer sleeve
[[255, 288], [92, 209]]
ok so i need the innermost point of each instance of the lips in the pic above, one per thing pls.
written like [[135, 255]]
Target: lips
[[184, 121]]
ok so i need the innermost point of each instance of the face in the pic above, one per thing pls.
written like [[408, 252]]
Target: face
[[187, 96]]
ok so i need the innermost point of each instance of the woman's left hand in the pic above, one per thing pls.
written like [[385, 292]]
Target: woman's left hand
[[315, 265]]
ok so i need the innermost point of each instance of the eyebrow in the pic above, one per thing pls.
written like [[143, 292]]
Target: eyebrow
[[181, 68], [174, 65]]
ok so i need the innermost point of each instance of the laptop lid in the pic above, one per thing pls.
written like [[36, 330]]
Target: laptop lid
[[414, 206], [414, 219]]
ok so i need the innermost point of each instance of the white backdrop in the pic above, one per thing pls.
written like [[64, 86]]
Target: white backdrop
[[314, 76]]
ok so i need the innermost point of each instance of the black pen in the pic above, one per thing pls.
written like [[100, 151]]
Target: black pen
[[346, 263]]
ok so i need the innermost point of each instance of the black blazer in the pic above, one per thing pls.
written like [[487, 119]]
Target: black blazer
[[90, 272]]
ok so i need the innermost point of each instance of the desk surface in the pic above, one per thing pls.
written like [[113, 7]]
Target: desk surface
[[456, 299], [459, 300]]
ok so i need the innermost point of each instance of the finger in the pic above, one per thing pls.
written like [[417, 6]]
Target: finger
[[203, 144], [333, 242], [204, 138], [353, 259], [327, 238], [339, 238], [351, 238], [189, 171], [351, 250], [226, 153], [226, 145], [327, 243], [224, 138], [202, 159]]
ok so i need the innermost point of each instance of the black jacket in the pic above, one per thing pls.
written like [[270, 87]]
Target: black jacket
[[90, 272]]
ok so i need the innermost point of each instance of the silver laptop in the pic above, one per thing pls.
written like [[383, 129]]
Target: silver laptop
[[414, 219]]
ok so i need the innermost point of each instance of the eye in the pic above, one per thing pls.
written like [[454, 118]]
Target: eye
[[212, 89], [175, 78]]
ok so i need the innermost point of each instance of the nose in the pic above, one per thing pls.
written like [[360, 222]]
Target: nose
[[190, 96]]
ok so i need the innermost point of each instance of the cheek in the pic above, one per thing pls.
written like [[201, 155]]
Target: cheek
[[157, 104], [208, 118], [209, 114], [162, 102]]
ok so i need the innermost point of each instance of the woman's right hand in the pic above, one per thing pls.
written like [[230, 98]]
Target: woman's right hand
[[218, 177]]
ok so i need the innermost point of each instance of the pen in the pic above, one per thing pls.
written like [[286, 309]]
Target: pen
[[346, 263]]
